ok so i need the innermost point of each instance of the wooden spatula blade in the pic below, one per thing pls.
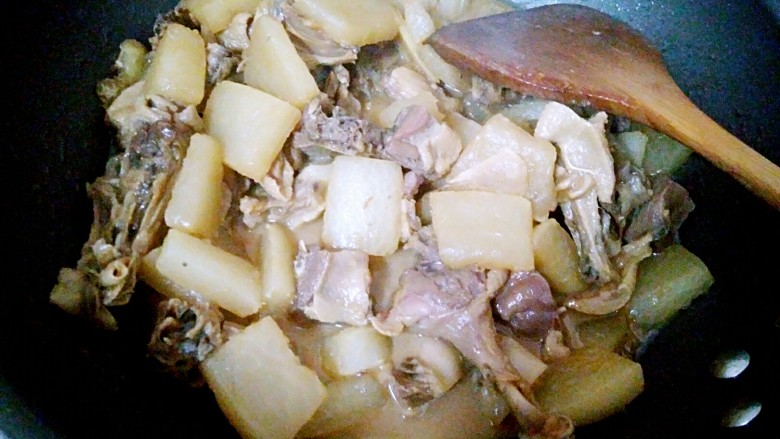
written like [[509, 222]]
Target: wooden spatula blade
[[550, 54]]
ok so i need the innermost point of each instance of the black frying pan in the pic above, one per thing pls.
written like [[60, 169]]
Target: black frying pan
[[60, 378]]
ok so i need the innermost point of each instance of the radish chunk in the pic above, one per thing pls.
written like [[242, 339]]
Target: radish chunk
[[261, 385], [363, 205], [482, 228], [252, 126], [354, 22], [589, 385], [500, 136], [224, 278], [197, 194], [178, 69], [273, 65], [277, 253], [215, 15], [350, 400], [355, 349]]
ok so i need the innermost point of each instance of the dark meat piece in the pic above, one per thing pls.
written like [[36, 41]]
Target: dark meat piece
[[129, 203], [662, 215], [526, 303], [186, 332]]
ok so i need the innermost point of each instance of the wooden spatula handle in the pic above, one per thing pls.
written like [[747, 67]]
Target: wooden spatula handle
[[693, 127]]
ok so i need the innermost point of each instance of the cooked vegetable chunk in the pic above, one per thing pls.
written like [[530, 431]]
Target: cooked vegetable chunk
[[357, 22], [272, 64], [589, 385], [277, 253], [482, 228], [216, 14], [607, 332], [667, 283], [130, 66], [252, 126], [348, 402], [261, 385], [499, 133], [555, 257], [355, 349], [526, 363], [363, 205], [424, 367], [178, 69], [196, 197], [228, 280]]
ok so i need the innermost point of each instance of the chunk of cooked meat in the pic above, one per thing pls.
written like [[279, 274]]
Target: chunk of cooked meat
[[613, 295], [526, 303], [305, 204], [332, 286], [220, 63], [454, 305], [339, 132], [662, 215], [421, 144], [129, 203], [185, 333]]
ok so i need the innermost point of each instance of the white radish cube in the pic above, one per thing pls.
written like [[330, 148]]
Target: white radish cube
[[261, 385], [539, 155], [363, 205], [273, 65], [355, 349], [221, 277], [354, 22], [484, 229], [252, 126], [197, 194], [277, 253], [215, 15], [178, 70]]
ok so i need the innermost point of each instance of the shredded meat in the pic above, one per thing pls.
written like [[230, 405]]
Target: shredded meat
[[185, 333]]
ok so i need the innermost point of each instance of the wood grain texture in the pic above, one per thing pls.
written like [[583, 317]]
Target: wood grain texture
[[576, 54]]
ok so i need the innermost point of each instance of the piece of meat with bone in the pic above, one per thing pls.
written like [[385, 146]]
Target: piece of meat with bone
[[421, 144], [584, 177], [129, 204], [454, 305], [220, 63], [526, 303], [338, 132], [187, 330], [332, 286], [312, 43]]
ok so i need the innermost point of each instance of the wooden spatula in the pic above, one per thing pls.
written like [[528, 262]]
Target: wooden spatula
[[576, 54]]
